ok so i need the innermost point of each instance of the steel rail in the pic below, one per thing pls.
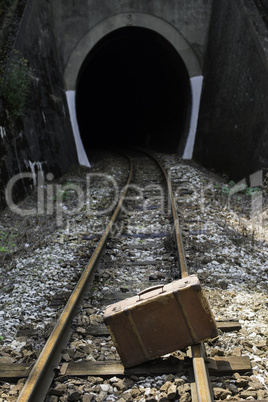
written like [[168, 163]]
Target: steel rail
[[177, 230], [201, 374], [201, 390], [42, 374]]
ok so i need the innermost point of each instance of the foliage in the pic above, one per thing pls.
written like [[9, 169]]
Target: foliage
[[15, 81], [9, 3], [252, 190], [225, 190], [5, 4], [232, 188], [6, 242]]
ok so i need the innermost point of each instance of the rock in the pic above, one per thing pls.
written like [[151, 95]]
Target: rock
[[59, 390], [81, 331], [95, 319], [128, 382], [172, 391], [216, 352], [147, 392], [96, 388], [106, 388], [135, 392], [249, 394], [113, 380], [73, 397], [179, 381], [127, 396], [124, 289], [241, 381], [170, 377], [86, 348], [80, 355], [90, 358], [255, 383], [101, 396], [53, 398], [165, 386], [75, 345], [163, 397], [96, 380], [262, 344], [187, 387], [120, 385], [15, 390], [237, 351], [87, 398], [182, 389], [232, 388], [66, 357], [262, 395], [185, 398], [90, 310], [221, 393]]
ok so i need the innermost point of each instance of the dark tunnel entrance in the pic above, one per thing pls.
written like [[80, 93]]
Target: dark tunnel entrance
[[134, 89]]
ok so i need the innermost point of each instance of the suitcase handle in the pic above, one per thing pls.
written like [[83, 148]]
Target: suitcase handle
[[151, 289]]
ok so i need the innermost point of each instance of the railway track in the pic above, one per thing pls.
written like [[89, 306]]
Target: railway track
[[140, 252], [145, 204]]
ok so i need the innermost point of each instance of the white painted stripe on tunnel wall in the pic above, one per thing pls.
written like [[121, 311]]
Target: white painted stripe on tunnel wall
[[196, 87], [82, 156]]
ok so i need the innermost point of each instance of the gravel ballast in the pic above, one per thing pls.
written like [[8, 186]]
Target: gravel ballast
[[225, 244]]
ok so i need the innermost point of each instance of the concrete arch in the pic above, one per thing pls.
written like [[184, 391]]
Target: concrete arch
[[108, 25]]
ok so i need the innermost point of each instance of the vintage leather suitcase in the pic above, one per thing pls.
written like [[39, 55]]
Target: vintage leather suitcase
[[160, 320]]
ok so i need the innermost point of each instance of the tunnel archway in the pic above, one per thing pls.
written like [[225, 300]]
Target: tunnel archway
[[134, 89]]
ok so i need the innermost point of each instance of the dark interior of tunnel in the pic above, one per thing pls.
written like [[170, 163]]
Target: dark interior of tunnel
[[134, 90]]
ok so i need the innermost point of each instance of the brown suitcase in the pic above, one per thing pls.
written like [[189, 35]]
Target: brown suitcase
[[160, 320]]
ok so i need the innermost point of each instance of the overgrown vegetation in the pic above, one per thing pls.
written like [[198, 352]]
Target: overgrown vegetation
[[4, 4], [6, 242], [232, 188], [15, 82], [9, 3]]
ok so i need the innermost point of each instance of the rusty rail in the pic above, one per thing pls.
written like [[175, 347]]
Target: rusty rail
[[42, 374], [201, 389]]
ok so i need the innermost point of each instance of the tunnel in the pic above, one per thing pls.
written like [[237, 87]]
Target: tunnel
[[133, 89]]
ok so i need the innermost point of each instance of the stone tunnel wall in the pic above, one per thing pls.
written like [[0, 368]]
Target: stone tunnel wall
[[233, 120], [42, 137], [74, 19]]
